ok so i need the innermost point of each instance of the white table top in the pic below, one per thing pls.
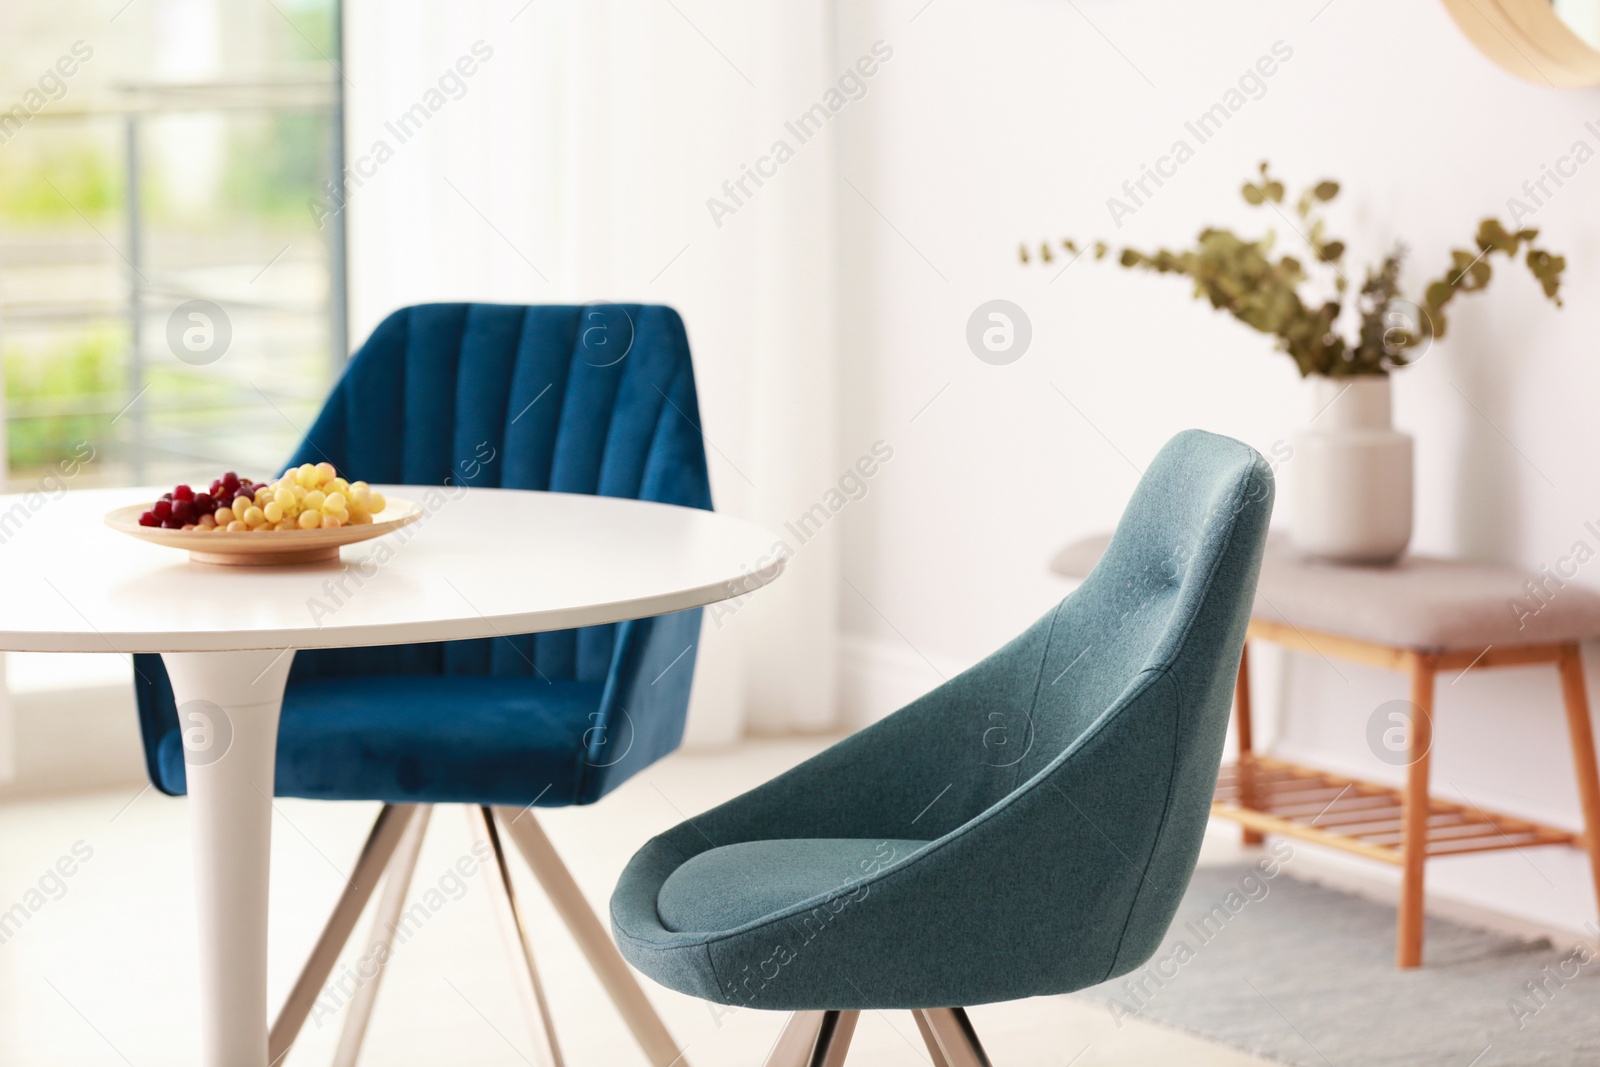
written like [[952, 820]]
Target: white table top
[[480, 563]]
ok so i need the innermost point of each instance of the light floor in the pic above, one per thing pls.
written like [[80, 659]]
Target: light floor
[[102, 972]]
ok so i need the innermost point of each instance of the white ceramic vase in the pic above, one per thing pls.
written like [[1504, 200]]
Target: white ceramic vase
[[1351, 475]]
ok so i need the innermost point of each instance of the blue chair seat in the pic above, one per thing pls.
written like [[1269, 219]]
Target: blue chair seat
[[427, 739], [725, 888]]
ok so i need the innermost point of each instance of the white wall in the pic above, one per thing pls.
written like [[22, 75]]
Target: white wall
[[575, 164], [1000, 122]]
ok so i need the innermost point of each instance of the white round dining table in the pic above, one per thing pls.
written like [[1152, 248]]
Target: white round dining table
[[480, 563]]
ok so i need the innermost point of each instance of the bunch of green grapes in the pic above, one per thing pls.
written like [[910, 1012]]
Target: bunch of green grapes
[[308, 497]]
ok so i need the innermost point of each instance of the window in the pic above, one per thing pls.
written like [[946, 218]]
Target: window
[[170, 302]]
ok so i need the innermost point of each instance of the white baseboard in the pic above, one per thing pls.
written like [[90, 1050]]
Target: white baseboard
[[8, 732], [74, 740], [878, 676]]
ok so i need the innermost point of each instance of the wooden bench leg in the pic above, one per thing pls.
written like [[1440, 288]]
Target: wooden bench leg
[[1576, 697], [1241, 707], [1414, 814]]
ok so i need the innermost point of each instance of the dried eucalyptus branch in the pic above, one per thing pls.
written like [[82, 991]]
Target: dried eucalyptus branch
[[1263, 290]]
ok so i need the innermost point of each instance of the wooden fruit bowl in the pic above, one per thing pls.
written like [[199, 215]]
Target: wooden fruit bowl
[[276, 548]]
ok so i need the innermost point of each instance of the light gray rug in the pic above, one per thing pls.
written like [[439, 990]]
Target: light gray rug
[[1303, 974]]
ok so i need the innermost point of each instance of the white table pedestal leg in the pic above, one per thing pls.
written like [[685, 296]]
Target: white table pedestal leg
[[228, 705]]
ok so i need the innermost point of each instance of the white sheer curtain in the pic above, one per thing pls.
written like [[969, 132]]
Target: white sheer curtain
[[8, 729], [566, 151]]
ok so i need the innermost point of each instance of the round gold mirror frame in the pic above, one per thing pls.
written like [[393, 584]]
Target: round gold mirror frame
[[1527, 38]]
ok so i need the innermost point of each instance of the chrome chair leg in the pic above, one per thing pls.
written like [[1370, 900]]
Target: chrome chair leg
[[516, 935], [833, 1039], [798, 1040], [934, 1052], [375, 854], [955, 1036], [380, 945], [524, 830]]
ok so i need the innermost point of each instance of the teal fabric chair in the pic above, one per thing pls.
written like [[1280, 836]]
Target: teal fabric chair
[[597, 399], [1027, 828]]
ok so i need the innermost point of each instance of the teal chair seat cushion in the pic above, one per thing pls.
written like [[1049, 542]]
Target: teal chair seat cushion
[[726, 888], [427, 739]]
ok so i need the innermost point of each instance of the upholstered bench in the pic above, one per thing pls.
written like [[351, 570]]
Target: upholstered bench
[[1421, 616]]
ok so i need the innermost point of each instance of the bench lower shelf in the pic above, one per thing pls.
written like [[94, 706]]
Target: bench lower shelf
[[1275, 796]]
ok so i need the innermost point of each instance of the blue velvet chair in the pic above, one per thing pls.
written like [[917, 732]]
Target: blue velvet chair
[[1027, 828], [595, 399]]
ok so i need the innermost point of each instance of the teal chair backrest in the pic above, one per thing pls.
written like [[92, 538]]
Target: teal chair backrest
[[597, 399], [1136, 668]]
